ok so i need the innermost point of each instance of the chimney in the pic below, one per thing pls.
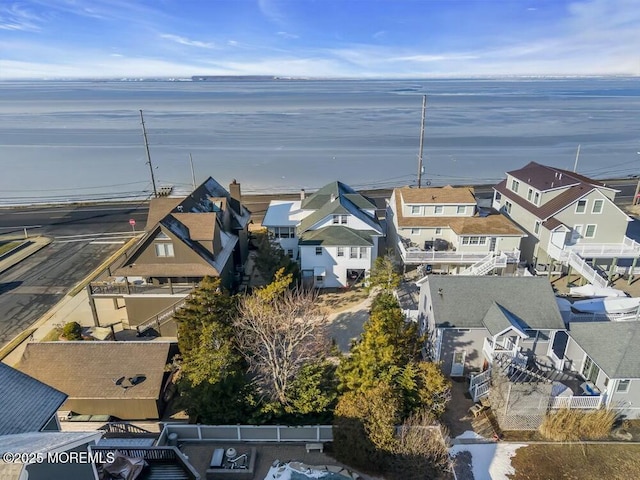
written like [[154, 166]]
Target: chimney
[[234, 190], [303, 194]]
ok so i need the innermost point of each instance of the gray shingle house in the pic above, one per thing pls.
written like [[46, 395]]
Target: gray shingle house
[[470, 319], [606, 355]]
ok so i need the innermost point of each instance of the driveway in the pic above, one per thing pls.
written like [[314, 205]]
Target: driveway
[[346, 326]]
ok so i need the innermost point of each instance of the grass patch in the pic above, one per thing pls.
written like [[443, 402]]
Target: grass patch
[[6, 246], [570, 425], [342, 299], [576, 462]]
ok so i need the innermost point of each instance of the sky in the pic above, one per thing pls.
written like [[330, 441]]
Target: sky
[[44, 39]]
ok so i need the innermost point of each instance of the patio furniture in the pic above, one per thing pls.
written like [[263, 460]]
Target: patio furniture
[[315, 446]]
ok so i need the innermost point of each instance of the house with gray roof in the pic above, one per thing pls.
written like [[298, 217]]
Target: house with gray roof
[[333, 234], [27, 404], [606, 355], [469, 320], [571, 221]]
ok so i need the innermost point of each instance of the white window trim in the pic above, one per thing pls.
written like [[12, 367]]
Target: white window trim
[[438, 231], [586, 206], [435, 210], [507, 206], [464, 210], [515, 185], [593, 206], [628, 385], [530, 194], [418, 208], [536, 198], [320, 250], [415, 231], [164, 250], [340, 252], [536, 227], [586, 228]]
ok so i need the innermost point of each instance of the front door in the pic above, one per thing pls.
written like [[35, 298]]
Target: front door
[[492, 244], [576, 234], [457, 364]]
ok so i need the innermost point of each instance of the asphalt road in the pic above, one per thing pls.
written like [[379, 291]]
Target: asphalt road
[[83, 238]]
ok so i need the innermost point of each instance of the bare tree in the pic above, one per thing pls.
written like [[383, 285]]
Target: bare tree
[[278, 331]]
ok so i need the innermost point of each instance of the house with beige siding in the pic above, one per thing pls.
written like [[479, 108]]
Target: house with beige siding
[[333, 234], [186, 239], [443, 229], [571, 221]]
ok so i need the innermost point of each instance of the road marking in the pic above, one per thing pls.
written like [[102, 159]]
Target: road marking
[[22, 226], [78, 210], [81, 235], [99, 242]]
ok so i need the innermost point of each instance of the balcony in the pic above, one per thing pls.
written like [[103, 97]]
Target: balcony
[[491, 348], [627, 249], [116, 289], [416, 256]]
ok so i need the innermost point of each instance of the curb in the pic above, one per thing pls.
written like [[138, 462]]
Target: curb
[[36, 247]]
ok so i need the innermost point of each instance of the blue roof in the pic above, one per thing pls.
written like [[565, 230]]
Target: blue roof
[[26, 404]]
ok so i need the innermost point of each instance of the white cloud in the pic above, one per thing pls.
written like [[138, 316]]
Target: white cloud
[[272, 11], [17, 17], [287, 35], [187, 41]]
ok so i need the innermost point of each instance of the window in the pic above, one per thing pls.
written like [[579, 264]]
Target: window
[[498, 196], [530, 194], [340, 252], [284, 232], [439, 209], [515, 185], [590, 231], [164, 249], [363, 252], [319, 278], [597, 206], [623, 386], [590, 370], [290, 253], [415, 210], [536, 227], [438, 231], [415, 231], [318, 250], [340, 219], [474, 240], [581, 206], [507, 206], [462, 209], [536, 198], [353, 252]]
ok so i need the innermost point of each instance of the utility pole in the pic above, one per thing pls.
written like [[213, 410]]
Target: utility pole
[[635, 195], [575, 165], [146, 144], [193, 175], [424, 109]]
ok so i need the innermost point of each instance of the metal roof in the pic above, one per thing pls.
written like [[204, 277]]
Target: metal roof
[[26, 404]]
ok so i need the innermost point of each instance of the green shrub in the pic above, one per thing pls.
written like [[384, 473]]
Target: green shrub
[[72, 331], [570, 425]]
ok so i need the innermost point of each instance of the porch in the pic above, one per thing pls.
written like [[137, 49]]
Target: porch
[[415, 255]]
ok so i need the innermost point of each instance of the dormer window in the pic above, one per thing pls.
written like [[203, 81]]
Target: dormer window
[[340, 219], [439, 210], [415, 210], [515, 184], [536, 198], [530, 194], [462, 209]]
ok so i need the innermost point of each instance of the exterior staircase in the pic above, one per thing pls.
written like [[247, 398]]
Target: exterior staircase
[[487, 264], [161, 318], [575, 261]]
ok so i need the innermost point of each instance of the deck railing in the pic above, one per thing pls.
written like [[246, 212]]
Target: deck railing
[[158, 320], [577, 402], [416, 255], [627, 249], [121, 288]]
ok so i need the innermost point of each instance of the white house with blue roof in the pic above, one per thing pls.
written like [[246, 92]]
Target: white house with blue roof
[[333, 234]]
